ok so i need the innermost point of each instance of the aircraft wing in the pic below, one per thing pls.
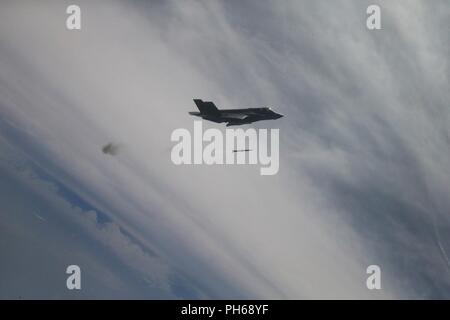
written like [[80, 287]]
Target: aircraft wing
[[237, 116]]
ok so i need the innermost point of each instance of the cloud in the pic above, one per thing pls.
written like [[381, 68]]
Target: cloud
[[53, 233], [364, 144]]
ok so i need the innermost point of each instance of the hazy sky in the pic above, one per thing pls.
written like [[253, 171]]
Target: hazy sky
[[364, 150]]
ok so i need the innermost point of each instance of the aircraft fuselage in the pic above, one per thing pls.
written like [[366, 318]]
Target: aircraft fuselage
[[209, 111]]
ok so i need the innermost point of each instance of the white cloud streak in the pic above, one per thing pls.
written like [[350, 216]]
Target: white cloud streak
[[366, 126]]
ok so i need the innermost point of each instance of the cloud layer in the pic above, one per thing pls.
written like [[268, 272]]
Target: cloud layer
[[364, 144]]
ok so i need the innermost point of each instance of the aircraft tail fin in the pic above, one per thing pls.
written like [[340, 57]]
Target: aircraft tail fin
[[207, 107]]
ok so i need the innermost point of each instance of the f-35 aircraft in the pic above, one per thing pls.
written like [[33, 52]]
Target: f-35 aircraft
[[233, 117]]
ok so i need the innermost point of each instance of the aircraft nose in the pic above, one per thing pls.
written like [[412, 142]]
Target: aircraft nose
[[279, 115]]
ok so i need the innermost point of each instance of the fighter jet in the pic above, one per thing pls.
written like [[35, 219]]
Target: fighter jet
[[233, 117]]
